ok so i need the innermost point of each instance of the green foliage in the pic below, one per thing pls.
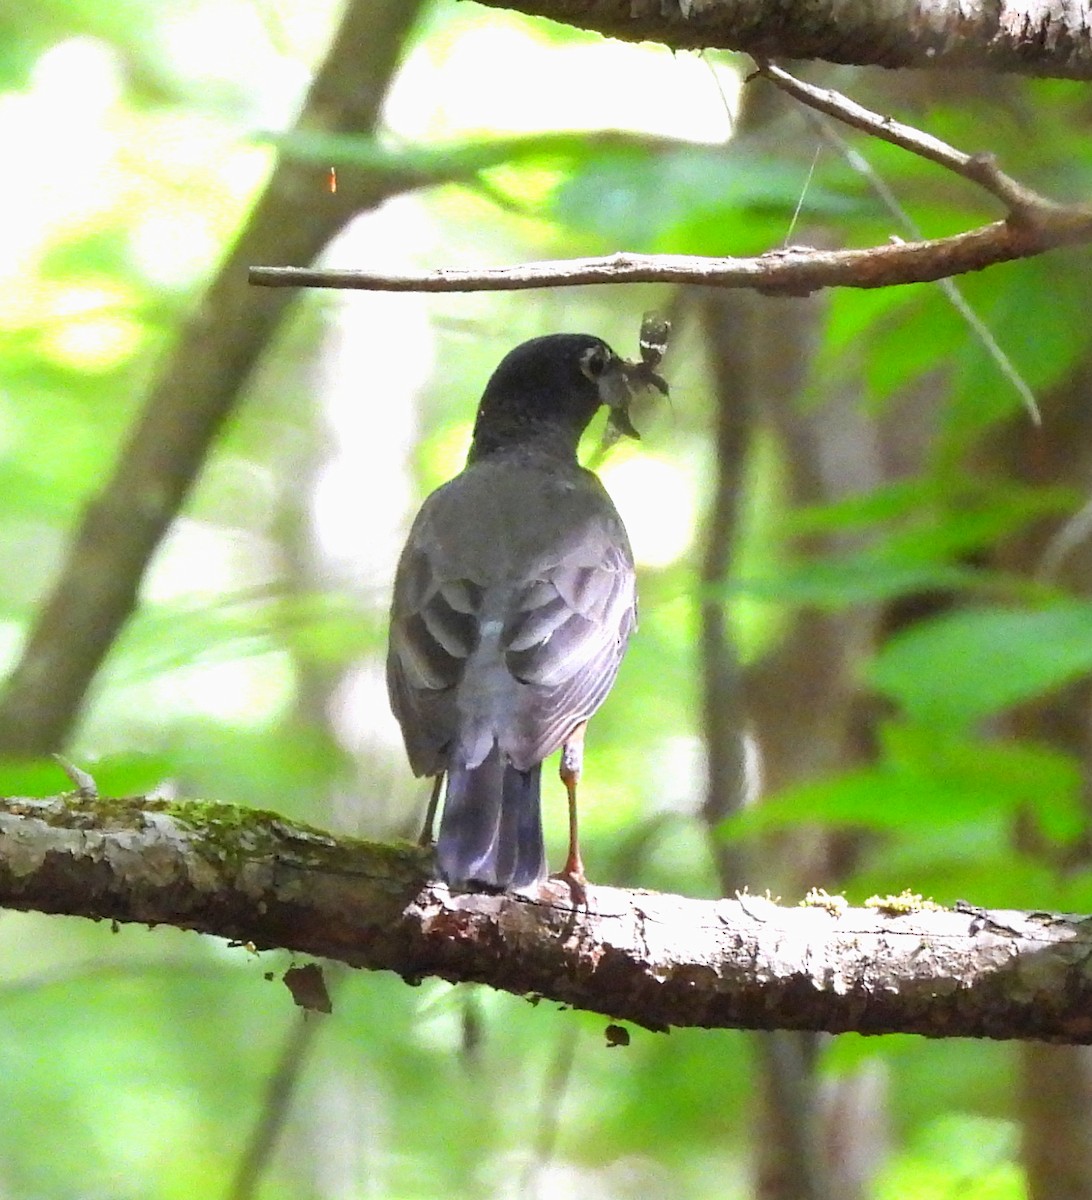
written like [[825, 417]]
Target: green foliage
[[128, 774], [932, 780], [252, 670], [959, 1152], [679, 200], [917, 535], [966, 665]]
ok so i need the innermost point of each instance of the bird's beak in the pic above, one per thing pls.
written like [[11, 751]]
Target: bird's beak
[[618, 385]]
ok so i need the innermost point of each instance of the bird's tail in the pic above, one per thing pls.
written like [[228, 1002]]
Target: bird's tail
[[491, 828]]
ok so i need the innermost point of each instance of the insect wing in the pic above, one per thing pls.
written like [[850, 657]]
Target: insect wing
[[655, 331]]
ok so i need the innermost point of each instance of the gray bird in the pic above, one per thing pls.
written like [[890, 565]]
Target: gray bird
[[513, 602]]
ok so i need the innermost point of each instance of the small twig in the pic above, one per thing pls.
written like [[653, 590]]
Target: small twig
[[548, 1126], [86, 787], [1022, 203], [1033, 224], [276, 1107], [825, 129], [1075, 531], [787, 239]]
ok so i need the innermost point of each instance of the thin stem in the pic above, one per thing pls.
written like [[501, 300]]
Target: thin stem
[[822, 125], [981, 169], [276, 1105], [793, 272]]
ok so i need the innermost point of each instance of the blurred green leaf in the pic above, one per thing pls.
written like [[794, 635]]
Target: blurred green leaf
[[655, 198], [934, 780], [921, 531], [32, 777], [443, 162], [128, 774], [960, 1152], [1036, 310], [966, 665], [965, 512], [867, 576]]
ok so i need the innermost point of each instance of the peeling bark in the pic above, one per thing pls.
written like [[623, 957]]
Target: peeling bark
[[656, 960], [1033, 37]]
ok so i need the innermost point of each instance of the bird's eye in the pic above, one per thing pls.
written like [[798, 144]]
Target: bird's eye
[[594, 362]]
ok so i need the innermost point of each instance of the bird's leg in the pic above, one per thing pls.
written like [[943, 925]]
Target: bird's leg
[[572, 760], [425, 836]]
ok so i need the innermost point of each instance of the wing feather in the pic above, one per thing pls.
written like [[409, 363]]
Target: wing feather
[[511, 614]]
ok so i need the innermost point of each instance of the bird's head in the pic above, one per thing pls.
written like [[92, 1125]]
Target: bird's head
[[548, 389]]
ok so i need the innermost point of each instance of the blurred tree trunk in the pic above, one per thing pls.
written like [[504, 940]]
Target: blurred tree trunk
[[199, 385], [1055, 1088], [286, 1131], [798, 703], [803, 707], [1056, 1110]]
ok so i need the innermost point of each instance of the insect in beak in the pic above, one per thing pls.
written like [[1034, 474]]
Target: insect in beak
[[655, 331], [640, 376]]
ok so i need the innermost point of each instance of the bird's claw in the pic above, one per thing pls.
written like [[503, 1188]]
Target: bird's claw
[[576, 881]]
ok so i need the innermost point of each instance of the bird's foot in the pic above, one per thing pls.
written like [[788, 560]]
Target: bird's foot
[[573, 877]]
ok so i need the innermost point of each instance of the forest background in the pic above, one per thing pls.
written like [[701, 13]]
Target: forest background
[[864, 634]]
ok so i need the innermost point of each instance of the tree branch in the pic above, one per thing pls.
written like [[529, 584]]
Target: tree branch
[[1031, 37], [795, 271], [657, 960], [1034, 224], [981, 169]]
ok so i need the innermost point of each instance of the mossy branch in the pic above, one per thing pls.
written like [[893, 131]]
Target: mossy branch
[[656, 960]]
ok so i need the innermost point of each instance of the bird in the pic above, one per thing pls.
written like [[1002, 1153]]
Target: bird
[[514, 599]]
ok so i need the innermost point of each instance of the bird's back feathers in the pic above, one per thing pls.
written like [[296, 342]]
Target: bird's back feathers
[[513, 603]]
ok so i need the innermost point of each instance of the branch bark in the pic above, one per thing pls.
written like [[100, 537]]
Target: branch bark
[[656, 960], [796, 271], [1033, 37]]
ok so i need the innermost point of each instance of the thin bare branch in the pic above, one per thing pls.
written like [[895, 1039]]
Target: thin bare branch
[[555, 1088], [823, 124], [982, 169], [656, 960], [276, 1106], [1033, 225], [796, 271]]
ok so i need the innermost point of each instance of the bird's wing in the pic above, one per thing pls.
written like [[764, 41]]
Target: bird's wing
[[564, 640], [513, 602], [433, 631]]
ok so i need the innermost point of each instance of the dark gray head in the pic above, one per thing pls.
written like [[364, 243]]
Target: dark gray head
[[546, 391]]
